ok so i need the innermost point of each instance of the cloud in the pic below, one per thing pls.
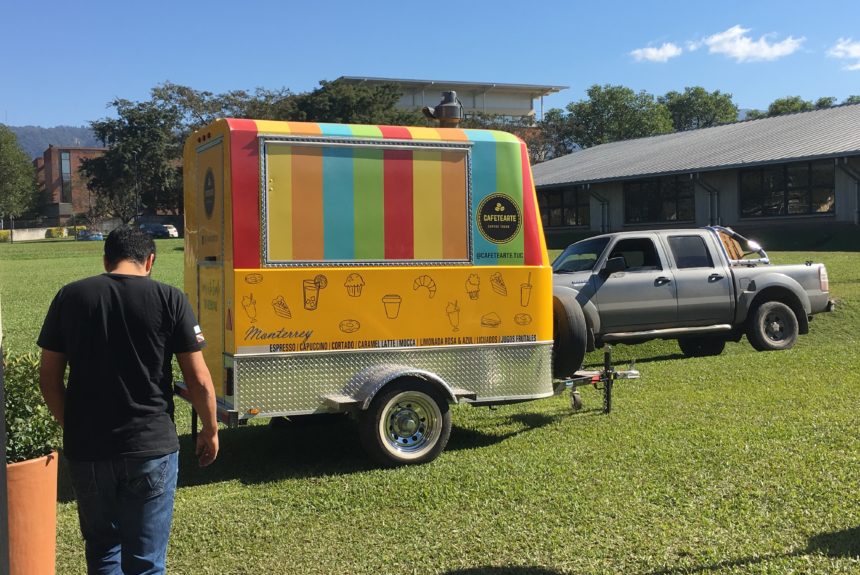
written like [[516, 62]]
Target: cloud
[[846, 49], [662, 54], [736, 44]]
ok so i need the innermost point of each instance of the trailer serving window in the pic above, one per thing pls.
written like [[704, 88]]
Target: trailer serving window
[[331, 201]]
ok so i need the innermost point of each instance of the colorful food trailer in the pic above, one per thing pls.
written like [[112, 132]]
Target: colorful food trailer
[[382, 271]]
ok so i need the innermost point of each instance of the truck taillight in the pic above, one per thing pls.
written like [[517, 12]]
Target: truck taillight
[[823, 279]]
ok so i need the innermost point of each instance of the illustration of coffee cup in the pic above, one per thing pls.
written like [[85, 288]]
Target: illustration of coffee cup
[[392, 305]]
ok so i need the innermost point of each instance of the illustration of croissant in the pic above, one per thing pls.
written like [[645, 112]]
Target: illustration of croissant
[[425, 281]]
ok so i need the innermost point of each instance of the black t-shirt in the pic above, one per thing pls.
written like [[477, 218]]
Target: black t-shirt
[[119, 333]]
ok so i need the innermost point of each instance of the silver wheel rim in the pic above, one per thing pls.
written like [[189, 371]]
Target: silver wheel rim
[[410, 424], [774, 326]]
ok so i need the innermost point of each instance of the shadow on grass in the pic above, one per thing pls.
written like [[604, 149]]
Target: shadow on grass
[[838, 544], [622, 363], [504, 571], [462, 438]]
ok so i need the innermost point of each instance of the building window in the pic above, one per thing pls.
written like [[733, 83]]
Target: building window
[[667, 199], [564, 207], [800, 188], [66, 177]]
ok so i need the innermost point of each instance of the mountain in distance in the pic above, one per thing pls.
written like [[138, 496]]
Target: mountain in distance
[[34, 140]]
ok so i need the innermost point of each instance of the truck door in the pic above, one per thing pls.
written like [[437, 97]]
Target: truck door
[[703, 284], [210, 259], [641, 296]]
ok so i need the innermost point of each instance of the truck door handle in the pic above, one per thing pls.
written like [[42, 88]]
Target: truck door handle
[[714, 277], [662, 280]]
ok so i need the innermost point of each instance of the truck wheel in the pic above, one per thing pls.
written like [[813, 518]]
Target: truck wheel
[[772, 326], [406, 423], [701, 346], [569, 335]]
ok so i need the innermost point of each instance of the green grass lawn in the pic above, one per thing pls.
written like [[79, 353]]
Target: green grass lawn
[[743, 463]]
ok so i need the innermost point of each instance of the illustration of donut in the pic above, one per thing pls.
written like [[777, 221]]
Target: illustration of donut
[[427, 282], [349, 326], [523, 319], [253, 278]]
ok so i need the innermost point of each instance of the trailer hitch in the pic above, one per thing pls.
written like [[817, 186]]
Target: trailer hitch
[[602, 380]]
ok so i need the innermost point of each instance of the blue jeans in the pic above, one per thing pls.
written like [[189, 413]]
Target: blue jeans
[[125, 507]]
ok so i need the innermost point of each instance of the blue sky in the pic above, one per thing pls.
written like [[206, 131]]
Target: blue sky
[[62, 62]]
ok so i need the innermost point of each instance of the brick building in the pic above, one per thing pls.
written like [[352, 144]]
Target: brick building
[[64, 191]]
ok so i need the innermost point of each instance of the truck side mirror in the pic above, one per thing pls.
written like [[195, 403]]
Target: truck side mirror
[[613, 265]]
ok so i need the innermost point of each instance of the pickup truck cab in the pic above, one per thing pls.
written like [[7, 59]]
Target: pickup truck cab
[[702, 287]]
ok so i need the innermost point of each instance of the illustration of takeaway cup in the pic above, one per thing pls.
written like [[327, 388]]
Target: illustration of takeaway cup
[[473, 286], [526, 292], [392, 305], [354, 284], [311, 289], [250, 306], [453, 311]]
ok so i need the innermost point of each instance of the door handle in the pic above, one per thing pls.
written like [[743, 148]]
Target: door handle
[[714, 277], [662, 280]]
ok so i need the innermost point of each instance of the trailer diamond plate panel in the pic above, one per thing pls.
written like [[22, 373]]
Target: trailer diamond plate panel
[[297, 383]]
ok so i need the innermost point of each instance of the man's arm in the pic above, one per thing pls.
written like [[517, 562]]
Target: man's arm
[[202, 392], [51, 372]]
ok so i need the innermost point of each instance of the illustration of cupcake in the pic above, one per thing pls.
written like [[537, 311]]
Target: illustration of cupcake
[[354, 284], [473, 286]]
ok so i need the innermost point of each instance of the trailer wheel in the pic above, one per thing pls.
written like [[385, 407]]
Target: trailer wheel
[[406, 423], [702, 346], [569, 335], [772, 326]]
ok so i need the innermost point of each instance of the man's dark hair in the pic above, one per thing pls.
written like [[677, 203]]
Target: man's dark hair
[[128, 243]]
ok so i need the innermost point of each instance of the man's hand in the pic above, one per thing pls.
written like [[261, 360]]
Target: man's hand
[[198, 381], [207, 448]]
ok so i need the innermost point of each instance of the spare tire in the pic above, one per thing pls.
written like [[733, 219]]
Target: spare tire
[[569, 334]]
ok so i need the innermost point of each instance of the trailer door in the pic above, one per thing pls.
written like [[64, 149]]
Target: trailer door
[[210, 260]]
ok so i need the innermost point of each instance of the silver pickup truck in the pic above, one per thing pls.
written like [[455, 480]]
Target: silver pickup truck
[[702, 287]]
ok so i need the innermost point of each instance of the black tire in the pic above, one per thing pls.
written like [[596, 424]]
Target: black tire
[[772, 326], [569, 334], [408, 422], [701, 346]]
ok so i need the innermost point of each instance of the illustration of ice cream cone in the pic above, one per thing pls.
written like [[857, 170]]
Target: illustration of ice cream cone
[[392, 305], [250, 306], [354, 284], [473, 286], [453, 311], [526, 292]]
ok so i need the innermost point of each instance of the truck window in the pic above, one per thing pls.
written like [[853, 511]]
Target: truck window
[[580, 256], [639, 254], [330, 202], [690, 252]]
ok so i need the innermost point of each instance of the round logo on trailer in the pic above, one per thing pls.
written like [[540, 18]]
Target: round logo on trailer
[[499, 218], [209, 192]]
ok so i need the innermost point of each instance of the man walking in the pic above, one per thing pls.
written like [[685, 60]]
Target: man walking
[[117, 332]]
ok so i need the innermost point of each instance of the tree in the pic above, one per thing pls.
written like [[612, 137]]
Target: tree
[[613, 113], [695, 108], [825, 102], [851, 100], [141, 170], [789, 105], [18, 191], [347, 103]]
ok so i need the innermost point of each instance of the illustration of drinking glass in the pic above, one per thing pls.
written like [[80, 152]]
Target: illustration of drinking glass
[[392, 305], [453, 311], [250, 305], [311, 289], [526, 291]]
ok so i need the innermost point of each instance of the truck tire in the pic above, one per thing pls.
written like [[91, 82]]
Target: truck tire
[[772, 326], [408, 422], [569, 334], [701, 346]]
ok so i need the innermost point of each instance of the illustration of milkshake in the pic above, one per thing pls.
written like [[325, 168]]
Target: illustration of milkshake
[[311, 289], [250, 305], [526, 291], [453, 311], [392, 305], [473, 286]]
